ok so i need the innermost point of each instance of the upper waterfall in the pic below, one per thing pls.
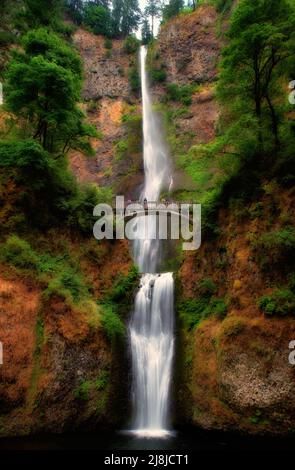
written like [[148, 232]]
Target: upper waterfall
[[155, 154], [157, 171]]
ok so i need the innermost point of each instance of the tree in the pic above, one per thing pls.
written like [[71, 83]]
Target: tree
[[98, 18], [42, 12], [172, 9], [146, 33], [262, 42], [153, 9], [102, 3], [75, 9], [126, 17], [43, 85]]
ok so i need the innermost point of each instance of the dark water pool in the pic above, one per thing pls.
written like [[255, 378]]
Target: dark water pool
[[188, 440]]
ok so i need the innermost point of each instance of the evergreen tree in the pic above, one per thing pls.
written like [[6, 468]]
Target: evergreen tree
[[42, 12], [153, 9], [126, 17], [146, 32], [172, 9], [75, 10], [98, 18]]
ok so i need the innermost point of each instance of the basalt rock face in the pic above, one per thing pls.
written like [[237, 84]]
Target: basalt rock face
[[115, 112], [189, 47], [106, 70], [240, 377], [60, 370], [232, 370]]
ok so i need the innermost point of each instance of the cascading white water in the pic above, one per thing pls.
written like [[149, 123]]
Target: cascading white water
[[151, 326]]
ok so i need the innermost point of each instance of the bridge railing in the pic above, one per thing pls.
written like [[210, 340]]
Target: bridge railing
[[151, 204]]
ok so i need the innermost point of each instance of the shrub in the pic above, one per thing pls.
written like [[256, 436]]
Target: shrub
[[69, 285], [103, 380], [79, 208], [82, 391], [158, 75], [108, 44], [276, 247], [131, 44], [181, 93], [134, 79], [219, 308], [281, 302], [98, 19], [207, 287], [125, 286], [121, 149], [6, 37], [222, 6], [193, 311], [19, 253], [111, 322]]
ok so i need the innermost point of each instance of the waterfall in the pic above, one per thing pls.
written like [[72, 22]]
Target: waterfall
[[151, 326]]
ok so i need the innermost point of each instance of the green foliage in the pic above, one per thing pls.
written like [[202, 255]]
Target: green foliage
[[98, 19], [82, 391], [281, 302], [60, 276], [39, 332], [158, 75], [19, 253], [193, 311], [75, 9], [118, 20], [146, 33], [124, 287], [131, 44], [261, 40], [30, 158], [41, 13], [256, 419], [49, 191], [43, 86], [222, 6], [117, 302], [126, 16], [134, 79], [207, 287], [130, 145], [108, 44], [173, 8], [6, 38], [111, 322], [121, 149], [182, 93], [276, 248], [103, 379], [68, 285], [79, 207]]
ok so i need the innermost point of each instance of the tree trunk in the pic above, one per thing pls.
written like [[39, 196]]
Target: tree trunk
[[274, 120]]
